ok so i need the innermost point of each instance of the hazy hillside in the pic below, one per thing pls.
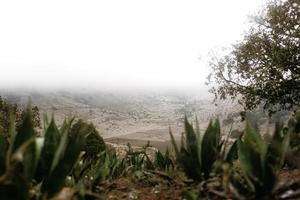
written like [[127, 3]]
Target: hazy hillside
[[137, 115]]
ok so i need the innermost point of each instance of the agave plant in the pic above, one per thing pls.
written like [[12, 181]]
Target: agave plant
[[31, 160], [260, 161], [163, 161], [106, 167], [64, 159], [198, 154]]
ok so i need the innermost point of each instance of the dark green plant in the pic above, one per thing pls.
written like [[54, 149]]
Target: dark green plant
[[30, 161], [139, 159], [198, 154], [20, 157], [94, 143], [164, 161], [260, 161], [106, 167], [51, 143], [263, 69], [65, 157]]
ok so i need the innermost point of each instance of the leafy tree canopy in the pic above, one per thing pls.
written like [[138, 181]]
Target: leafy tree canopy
[[264, 68]]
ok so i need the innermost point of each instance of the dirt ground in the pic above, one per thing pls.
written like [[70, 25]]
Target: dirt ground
[[143, 185]]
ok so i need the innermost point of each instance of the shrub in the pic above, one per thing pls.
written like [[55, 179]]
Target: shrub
[[94, 143]]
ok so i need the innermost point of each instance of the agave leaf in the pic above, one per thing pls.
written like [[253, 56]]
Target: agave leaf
[[191, 139], [12, 126], [190, 165], [217, 128], [66, 125], [21, 159], [182, 142], [275, 151], [275, 155], [254, 140], [3, 151], [118, 167], [174, 143], [15, 183], [199, 140], [245, 163], [103, 171], [209, 150], [232, 152], [256, 150], [25, 135], [52, 138], [55, 181], [25, 131], [198, 133], [12, 134], [159, 159], [62, 144], [45, 121], [26, 155], [39, 144]]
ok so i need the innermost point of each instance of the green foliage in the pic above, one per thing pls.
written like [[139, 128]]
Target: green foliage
[[30, 160], [198, 155], [138, 160], [261, 161], [164, 161], [94, 143], [72, 147], [51, 142], [264, 67], [70, 156], [91, 173], [3, 152], [211, 147], [24, 131], [110, 168], [21, 160], [232, 153]]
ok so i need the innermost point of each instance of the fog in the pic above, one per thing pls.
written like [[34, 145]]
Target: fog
[[115, 44]]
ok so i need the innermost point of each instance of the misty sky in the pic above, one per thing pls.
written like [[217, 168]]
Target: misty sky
[[115, 43]]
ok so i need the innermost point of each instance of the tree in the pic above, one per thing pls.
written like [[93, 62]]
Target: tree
[[264, 68]]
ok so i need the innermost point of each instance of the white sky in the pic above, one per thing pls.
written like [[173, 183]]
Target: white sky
[[115, 43]]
